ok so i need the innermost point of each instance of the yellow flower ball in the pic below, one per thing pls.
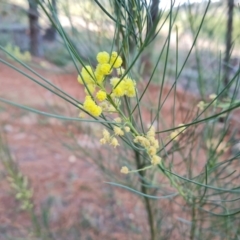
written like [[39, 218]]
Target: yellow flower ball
[[114, 142], [106, 134], [130, 92], [98, 69], [152, 151], [79, 78], [90, 106], [114, 81], [118, 120], [212, 96], [174, 135], [124, 170], [139, 139], [87, 74], [106, 69], [127, 129], [96, 111], [118, 131], [129, 85], [99, 77], [156, 160], [115, 60], [101, 95], [154, 142], [146, 143], [151, 132], [119, 90], [201, 105], [103, 57]]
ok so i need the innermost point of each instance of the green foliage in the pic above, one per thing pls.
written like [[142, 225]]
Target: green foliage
[[5, 39], [58, 55], [214, 27]]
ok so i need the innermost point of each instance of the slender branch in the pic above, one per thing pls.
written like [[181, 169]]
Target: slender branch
[[229, 31], [148, 206]]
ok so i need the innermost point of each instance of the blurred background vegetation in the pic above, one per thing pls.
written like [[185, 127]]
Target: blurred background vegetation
[[84, 22]]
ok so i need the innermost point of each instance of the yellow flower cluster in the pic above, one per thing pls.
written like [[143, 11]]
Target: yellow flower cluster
[[87, 75], [91, 107], [175, 134], [95, 82], [126, 86], [118, 131], [107, 138], [15, 51], [150, 143], [108, 107], [201, 105], [115, 60], [106, 63]]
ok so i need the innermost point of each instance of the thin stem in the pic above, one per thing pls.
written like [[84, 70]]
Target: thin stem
[[193, 218], [146, 199]]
